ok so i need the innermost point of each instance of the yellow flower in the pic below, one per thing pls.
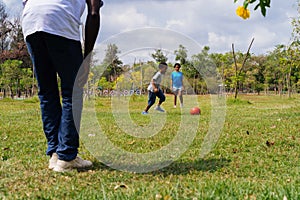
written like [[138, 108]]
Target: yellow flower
[[243, 12]]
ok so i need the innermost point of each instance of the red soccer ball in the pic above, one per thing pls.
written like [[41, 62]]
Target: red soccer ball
[[195, 111]]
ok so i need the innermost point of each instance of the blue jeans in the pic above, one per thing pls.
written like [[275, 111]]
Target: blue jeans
[[51, 56], [152, 97]]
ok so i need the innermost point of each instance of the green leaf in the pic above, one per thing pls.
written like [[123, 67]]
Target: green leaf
[[263, 10], [267, 5]]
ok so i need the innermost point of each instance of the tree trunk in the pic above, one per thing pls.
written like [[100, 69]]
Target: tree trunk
[[289, 85], [236, 90]]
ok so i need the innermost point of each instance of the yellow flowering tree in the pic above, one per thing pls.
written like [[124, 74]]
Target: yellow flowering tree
[[244, 12]]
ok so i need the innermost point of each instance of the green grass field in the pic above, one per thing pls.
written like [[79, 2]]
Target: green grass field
[[256, 155]]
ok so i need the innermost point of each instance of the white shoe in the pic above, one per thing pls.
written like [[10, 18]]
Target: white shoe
[[158, 108], [53, 161], [145, 113], [77, 163]]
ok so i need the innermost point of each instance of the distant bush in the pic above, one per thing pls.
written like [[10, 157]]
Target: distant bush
[[232, 101], [34, 99]]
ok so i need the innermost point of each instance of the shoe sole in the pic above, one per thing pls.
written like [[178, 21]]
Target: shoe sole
[[60, 169]]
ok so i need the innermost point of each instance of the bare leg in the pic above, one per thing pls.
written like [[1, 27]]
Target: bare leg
[[175, 100], [180, 98]]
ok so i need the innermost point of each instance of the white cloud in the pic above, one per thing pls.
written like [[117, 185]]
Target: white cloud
[[14, 7], [173, 24], [221, 42], [120, 19], [213, 23], [264, 37]]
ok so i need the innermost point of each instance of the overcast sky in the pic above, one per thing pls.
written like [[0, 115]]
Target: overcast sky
[[208, 22]]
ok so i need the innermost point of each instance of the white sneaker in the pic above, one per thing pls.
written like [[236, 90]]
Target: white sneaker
[[158, 108], [53, 161], [77, 163]]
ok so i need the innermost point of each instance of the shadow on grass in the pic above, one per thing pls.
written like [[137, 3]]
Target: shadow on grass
[[178, 167], [206, 165]]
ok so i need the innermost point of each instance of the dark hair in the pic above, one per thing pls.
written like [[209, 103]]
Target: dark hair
[[162, 65], [177, 64]]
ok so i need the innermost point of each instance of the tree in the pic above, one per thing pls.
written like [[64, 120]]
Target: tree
[[103, 84], [16, 49], [124, 82], [255, 73], [26, 82], [14, 54], [112, 63], [136, 80], [290, 62], [296, 28], [295, 47], [12, 45], [181, 54], [141, 72], [243, 12], [159, 56], [273, 72], [11, 76], [5, 28], [202, 67], [224, 63], [239, 68]]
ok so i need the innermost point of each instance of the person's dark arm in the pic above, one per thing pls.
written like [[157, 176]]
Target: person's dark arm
[[92, 25]]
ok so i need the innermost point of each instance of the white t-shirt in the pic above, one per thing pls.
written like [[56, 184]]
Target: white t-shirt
[[58, 17], [157, 78]]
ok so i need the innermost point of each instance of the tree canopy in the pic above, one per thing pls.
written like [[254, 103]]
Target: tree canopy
[[276, 71], [243, 11]]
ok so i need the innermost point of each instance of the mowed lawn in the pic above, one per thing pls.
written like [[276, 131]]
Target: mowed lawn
[[256, 155]]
